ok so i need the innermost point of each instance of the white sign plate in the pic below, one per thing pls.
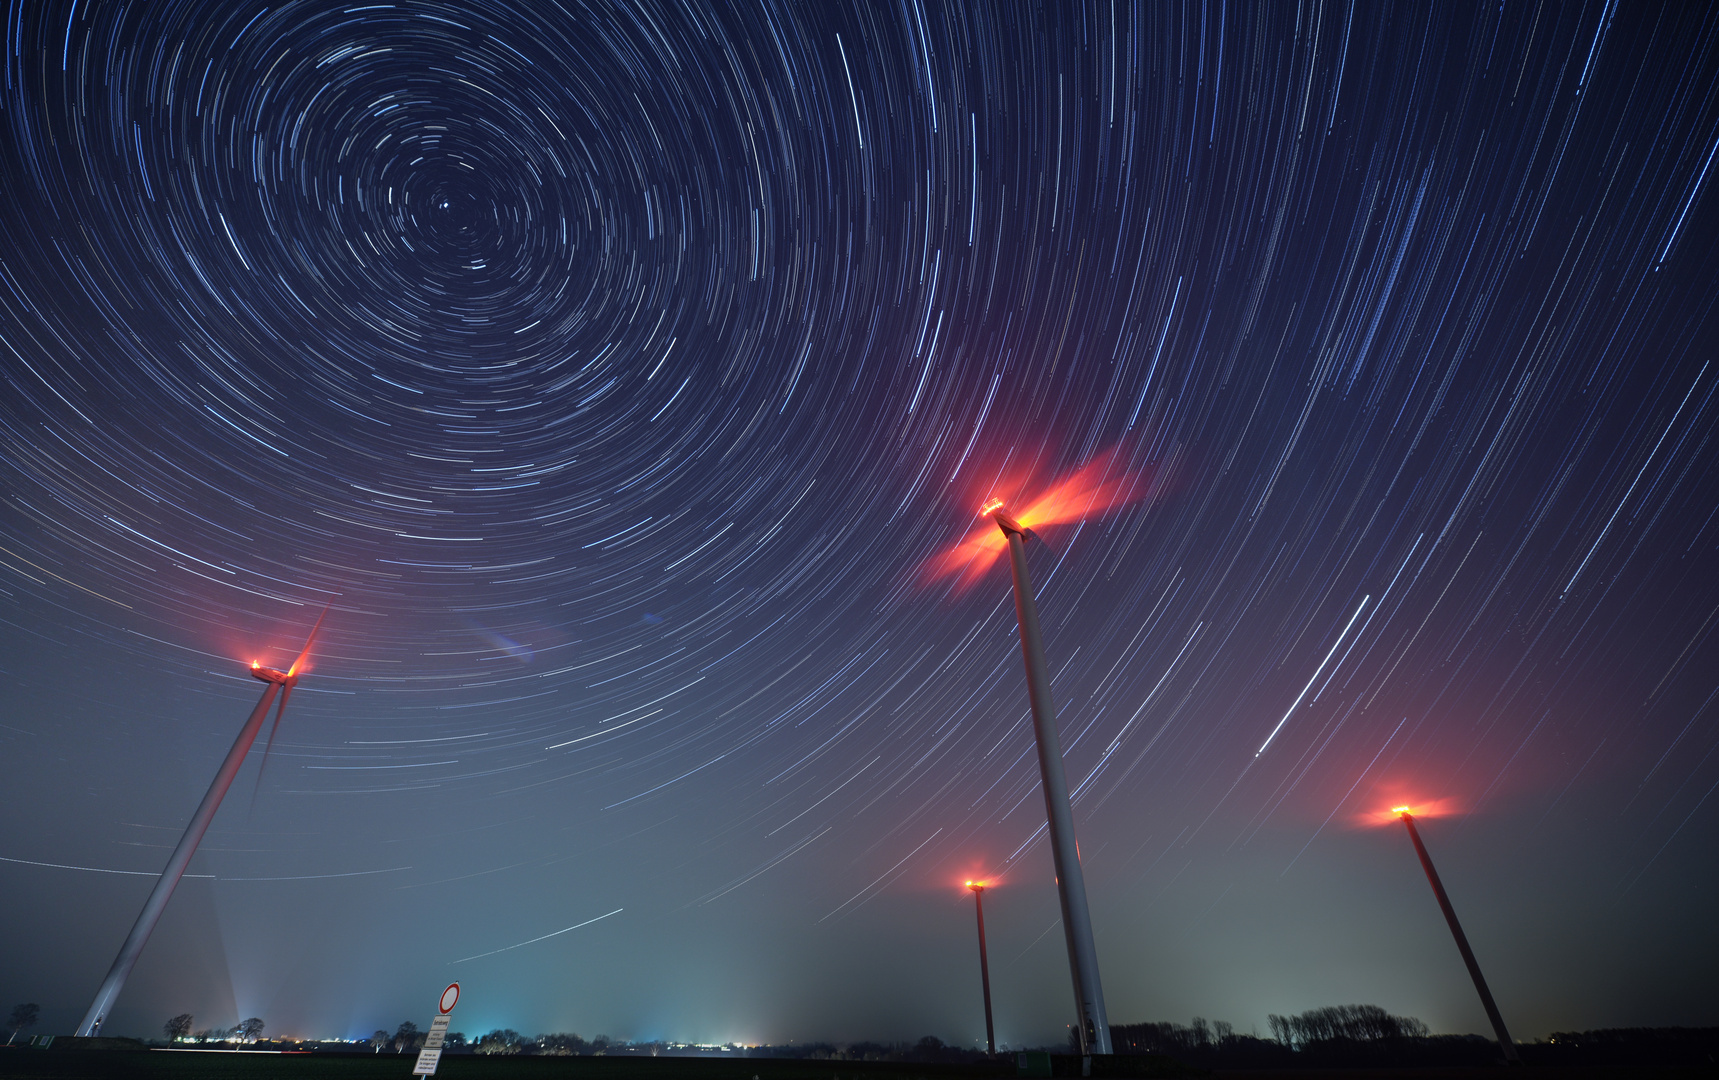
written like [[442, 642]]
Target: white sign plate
[[431, 1054]]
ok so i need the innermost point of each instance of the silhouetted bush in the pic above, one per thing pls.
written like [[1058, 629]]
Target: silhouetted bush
[[561, 1044], [1673, 1047], [928, 1049], [1209, 1044]]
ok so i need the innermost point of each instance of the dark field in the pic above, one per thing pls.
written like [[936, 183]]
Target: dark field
[[26, 1064], [196, 1065]]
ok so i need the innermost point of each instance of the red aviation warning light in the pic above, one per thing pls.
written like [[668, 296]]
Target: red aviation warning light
[[1420, 809]]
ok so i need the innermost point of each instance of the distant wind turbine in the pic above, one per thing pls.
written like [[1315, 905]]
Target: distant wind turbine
[[278, 681]]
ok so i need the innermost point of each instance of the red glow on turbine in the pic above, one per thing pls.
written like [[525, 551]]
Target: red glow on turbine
[[1419, 809], [975, 881], [1094, 488]]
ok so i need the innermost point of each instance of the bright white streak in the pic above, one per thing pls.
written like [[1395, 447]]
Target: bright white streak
[[1315, 678], [95, 869], [886, 873], [859, 129], [545, 937], [1650, 456]]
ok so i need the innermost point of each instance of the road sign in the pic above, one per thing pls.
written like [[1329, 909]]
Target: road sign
[[431, 1055]]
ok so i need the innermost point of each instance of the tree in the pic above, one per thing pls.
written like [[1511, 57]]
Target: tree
[[454, 1039], [178, 1028], [23, 1016], [1360, 1023], [561, 1044], [930, 1048], [378, 1041], [500, 1041], [406, 1036], [1279, 1028], [250, 1029]]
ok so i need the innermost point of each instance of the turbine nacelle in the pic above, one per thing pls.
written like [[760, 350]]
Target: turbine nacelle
[[994, 510], [286, 680], [269, 674]]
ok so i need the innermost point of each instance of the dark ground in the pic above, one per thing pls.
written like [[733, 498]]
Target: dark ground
[[207, 1065], [28, 1064]]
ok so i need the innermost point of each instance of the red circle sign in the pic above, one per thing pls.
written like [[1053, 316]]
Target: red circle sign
[[450, 997]]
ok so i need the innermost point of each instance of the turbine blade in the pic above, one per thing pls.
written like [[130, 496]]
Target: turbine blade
[[308, 642], [286, 692]]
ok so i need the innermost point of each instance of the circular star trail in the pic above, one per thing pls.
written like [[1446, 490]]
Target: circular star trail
[[616, 371]]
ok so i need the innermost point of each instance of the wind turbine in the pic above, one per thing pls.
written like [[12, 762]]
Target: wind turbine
[[278, 682], [1096, 487], [977, 888], [1094, 1029], [1486, 1002]]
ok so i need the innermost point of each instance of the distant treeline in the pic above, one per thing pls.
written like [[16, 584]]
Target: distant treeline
[[1359, 1022], [1345, 1036], [1339, 1036], [408, 1039], [1342, 1036], [928, 1049]]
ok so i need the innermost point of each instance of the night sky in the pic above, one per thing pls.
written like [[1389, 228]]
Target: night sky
[[620, 374]]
